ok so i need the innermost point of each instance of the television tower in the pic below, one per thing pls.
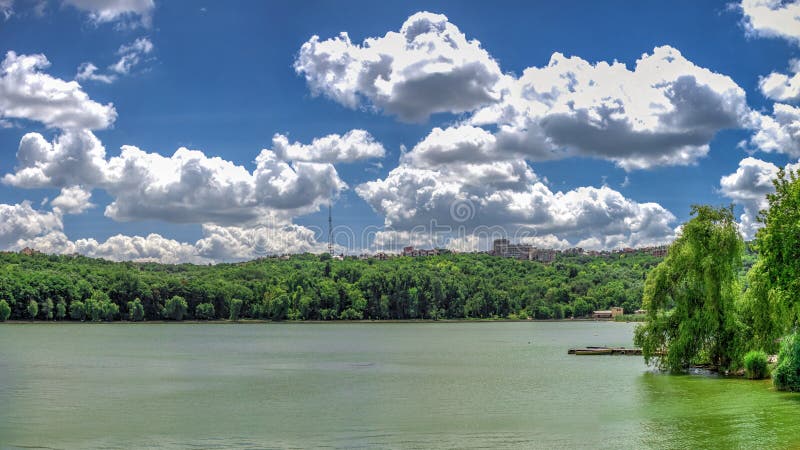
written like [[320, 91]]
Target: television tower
[[330, 228]]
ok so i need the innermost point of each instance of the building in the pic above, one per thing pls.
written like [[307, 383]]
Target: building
[[608, 313], [505, 249], [414, 252], [542, 255]]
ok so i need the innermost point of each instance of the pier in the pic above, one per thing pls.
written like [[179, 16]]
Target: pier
[[604, 351]]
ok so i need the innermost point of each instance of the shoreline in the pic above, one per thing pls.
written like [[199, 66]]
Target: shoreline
[[297, 322]]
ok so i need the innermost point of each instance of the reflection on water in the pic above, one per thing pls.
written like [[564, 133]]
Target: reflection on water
[[413, 385]]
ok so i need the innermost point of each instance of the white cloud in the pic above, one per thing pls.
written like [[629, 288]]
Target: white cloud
[[72, 200], [240, 243], [27, 93], [663, 112], [190, 187], [782, 87], [187, 187], [127, 12], [352, 146], [131, 55], [748, 187], [22, 226], [21, 221], [778, 133], [73, 158], [470, 197], [428, 67], [88, 71], [772, 18]]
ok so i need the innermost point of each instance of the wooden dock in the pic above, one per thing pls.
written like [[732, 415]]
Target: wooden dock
[[604, 351]]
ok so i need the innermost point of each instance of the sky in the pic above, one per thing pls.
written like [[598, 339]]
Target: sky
[[209, 132]]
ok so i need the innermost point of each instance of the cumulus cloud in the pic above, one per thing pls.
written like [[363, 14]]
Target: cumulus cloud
[[782, 87], [353, 146], [418, 197], [127, 12], [72, 200], [28, 93], [73, 158], [22, 226], [772, 18], [748, 187], [779, 132], [187, 187], [663, 112], [20, 222], [428, 67]]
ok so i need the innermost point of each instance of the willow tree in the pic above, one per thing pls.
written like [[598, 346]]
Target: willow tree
[[772, 302], [690, 297]]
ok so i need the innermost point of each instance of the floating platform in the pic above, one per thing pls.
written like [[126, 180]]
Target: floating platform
[[604, 351]]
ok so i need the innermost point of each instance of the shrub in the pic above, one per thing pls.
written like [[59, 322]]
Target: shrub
[[755, 365], [135, 311], [77, 310], [61, 310], [204, 311], [235, 308], [33, 309], [5, 311], [175, 308], [786, 375], [46, 309]]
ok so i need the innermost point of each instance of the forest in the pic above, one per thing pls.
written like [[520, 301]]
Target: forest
[[317, 287]]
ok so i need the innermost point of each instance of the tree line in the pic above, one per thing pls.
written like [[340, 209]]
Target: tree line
[[312, 287]]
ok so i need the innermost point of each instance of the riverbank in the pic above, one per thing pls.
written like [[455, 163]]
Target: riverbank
[[261, 321]]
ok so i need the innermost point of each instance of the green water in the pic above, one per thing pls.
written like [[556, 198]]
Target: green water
[[409, 385]]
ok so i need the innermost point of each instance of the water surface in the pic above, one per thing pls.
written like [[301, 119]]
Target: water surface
[[411, 385]]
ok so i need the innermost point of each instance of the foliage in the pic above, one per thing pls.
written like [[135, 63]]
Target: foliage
[[77, 310], [61, 310], [204, 311], [5, 311], [33, 309], [755, 365], [303, 287], [235, 309], [46, 309], [175, 308], [786, 375], [99, 307], [690, 297], [135, 310], [772, 305]]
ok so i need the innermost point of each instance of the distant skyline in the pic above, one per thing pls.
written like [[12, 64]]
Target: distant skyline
[[206, 131]]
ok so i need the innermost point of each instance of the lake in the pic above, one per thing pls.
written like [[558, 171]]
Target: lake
[[395, 385]]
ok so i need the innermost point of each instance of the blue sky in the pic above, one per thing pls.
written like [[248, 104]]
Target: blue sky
[[222, 78]]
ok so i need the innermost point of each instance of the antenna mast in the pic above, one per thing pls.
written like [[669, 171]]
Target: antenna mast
[[330, 228]]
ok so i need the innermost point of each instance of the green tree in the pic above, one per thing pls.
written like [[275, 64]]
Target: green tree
[[690, 297], [204, 311], [786, 375], [77, 310], [175, 308], [235, 309], [135, 310], [772, 302], [46, 309], [33, 309], [61, 309], [5, 311]]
